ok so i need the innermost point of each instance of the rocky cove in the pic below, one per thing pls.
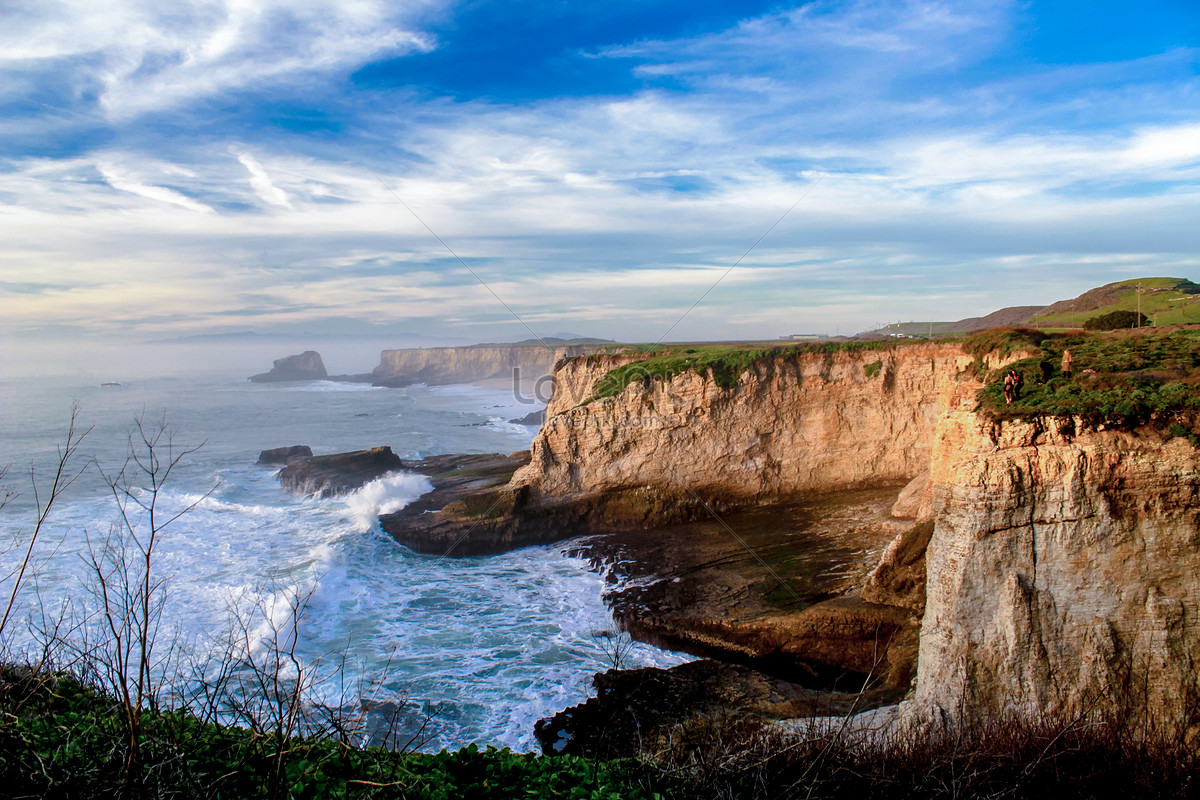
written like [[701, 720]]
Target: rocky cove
[[851, 523]]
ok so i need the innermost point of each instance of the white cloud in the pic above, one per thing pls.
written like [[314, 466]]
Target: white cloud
[[146, 56], [260, 181], [118, 179]]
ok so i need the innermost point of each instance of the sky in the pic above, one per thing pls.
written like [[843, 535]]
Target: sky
[[486, 171]]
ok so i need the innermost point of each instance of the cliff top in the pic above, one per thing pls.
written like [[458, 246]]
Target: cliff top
[[724, 362], [1146, 376]]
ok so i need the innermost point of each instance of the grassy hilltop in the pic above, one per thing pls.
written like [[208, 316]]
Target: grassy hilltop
[[1165, 301]]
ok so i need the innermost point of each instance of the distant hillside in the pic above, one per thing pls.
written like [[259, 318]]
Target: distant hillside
[[1166, 301]]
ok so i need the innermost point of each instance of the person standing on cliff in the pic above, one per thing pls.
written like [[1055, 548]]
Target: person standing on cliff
[[1018, 380], [1009, 385], [1066, 363]]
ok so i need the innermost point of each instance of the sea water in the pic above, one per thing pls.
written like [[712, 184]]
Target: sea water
[[484, 645]]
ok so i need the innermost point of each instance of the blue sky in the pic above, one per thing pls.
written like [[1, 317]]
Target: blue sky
[[250, 165]]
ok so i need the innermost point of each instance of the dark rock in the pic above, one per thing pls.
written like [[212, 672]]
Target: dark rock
[[771, 587], [479, 514], [474, 512], [532, 418], [339, 473], [281, 455], [307, 366], [642, 711]]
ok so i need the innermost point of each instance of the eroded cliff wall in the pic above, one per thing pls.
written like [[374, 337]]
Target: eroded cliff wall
[[441, 365], [1063, 572], [795, 422]]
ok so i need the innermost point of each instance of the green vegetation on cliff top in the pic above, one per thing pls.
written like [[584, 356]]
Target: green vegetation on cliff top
[[1126, 378], [1121, 378], [60, 738], [725, 363]]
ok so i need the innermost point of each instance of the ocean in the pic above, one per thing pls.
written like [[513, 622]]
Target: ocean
[[483, 646]]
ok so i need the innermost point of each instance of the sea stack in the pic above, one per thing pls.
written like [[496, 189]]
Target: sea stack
[[307, 366]]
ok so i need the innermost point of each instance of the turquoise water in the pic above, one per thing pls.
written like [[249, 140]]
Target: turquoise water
[[488, 645]]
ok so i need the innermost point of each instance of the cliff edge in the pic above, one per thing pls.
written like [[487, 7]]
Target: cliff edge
[[1063, 572]]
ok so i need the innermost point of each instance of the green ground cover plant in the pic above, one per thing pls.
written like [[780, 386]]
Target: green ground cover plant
[[60, 738], [725, 363], [1121, 378]]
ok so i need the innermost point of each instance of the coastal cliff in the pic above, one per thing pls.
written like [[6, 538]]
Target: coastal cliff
[[1063, 572], [1050, 562], [794, 422], [443, 365]]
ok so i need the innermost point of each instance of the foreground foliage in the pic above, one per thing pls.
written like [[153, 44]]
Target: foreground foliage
[[1002, 757], [61, 739]]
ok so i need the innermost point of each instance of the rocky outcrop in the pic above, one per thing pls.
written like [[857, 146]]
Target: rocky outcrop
[[307, 366], [469, 512], [535, 418], [899, 577], [524, 363], [811, 421], [326, 476], [639, 712], [1062, 572], [282, 455], [771, 587]]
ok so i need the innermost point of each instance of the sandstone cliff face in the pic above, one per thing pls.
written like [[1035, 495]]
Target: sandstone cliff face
[[815, 421], [441, 365], [1062, 573]]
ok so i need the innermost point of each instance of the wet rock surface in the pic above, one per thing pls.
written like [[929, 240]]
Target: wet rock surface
[[532, 418], [469, 512], [777, 588], [339, 473], [643, 711], [475, 510], [279, 456]]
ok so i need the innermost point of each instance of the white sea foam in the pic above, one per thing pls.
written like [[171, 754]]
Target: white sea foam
[[504, 426], [383, 496]]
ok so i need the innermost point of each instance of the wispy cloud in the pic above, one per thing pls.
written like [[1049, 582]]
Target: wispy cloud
[[261, 182], [141, 57]]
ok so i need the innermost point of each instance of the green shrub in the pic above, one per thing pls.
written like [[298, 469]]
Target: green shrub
[[61, 739], [1118, 379], [1116, 320], [725, 363]]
